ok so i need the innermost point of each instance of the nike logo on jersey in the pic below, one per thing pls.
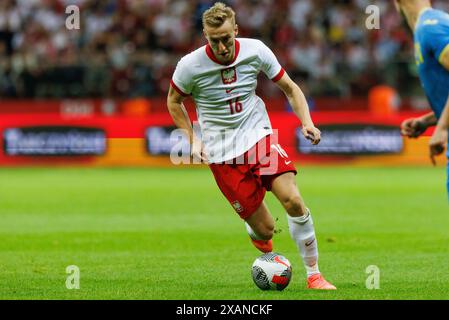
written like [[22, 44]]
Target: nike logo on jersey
[[229, 90], [430, 22], [287, 162]]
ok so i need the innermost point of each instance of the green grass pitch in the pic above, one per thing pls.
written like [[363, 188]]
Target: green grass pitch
[[170, 234]]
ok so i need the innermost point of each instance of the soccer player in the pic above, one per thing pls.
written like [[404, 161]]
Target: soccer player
[[431, 37], [222, 78]]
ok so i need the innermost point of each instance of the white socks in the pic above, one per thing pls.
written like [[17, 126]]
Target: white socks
[[303, 233], [251, 232]]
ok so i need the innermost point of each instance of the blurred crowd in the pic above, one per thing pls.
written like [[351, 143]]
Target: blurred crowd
[[129, 48]]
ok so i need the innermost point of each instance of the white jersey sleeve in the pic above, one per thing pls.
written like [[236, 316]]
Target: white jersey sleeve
[[182, 78], [270, 65]]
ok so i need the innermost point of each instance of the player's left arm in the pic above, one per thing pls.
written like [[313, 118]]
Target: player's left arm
[[300, 107], [438, 141]]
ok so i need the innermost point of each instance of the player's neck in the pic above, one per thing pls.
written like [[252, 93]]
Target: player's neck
[[412, 14]]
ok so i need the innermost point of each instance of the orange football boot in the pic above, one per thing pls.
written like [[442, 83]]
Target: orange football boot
[[263, 245], [317, 281]]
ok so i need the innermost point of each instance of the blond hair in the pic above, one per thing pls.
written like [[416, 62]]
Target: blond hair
[[216, 15]]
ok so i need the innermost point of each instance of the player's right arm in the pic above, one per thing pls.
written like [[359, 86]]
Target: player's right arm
[[182, 120], [438, 141]]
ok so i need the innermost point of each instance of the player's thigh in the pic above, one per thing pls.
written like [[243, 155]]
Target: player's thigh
[[242, 189], [285, 189], [261, 221]]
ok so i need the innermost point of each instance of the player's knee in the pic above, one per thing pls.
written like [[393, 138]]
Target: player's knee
[[294, 206]]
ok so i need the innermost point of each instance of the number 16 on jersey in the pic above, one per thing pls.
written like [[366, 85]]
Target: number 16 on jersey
[[235, 106]]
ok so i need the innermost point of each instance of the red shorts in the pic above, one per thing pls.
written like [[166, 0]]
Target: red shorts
[[244, 180]]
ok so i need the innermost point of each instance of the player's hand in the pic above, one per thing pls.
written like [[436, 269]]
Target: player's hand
[[312, 133], [437, 143], [413, 127], [197, 152]]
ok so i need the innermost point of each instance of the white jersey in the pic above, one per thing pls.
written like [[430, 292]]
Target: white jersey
[[232, 118]]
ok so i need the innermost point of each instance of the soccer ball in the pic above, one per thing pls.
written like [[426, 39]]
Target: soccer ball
[[272, 271]]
